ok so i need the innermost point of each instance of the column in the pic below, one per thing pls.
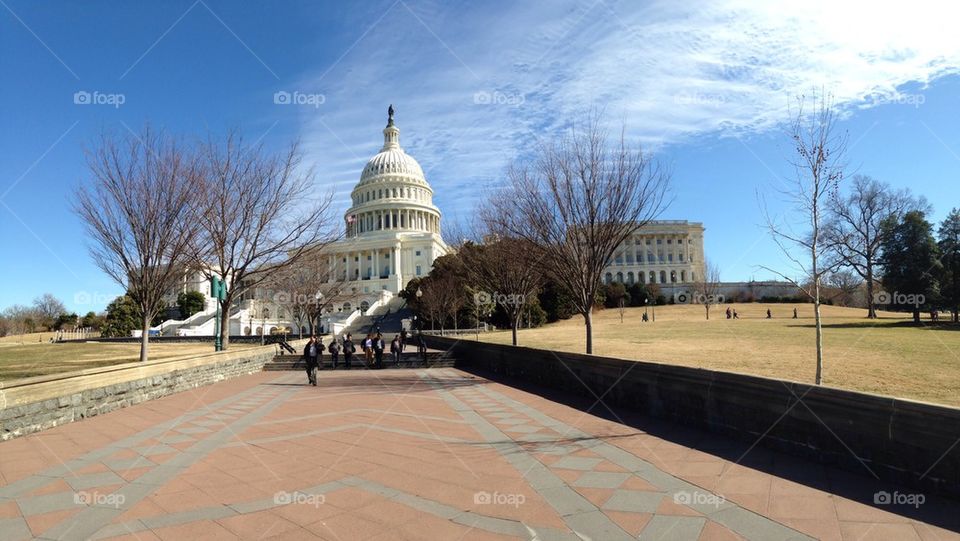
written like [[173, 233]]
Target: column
[[376, 263], [396, 261]]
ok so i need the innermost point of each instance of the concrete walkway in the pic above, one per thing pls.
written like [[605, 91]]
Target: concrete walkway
[[422, 454]]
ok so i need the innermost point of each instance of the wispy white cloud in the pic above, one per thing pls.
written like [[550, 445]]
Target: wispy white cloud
[[476, 84]]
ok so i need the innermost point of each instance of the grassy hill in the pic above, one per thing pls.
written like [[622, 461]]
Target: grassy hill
[[887, 356]]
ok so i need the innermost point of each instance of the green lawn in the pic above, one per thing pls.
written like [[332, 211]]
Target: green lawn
[[887, 356], [42, 358]]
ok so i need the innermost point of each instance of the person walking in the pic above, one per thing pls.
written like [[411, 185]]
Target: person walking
[[769, 314], [334, 350], [378, 348], [396, 348], [310, 360], [368, 350], [735, 314], [320, 350], [729, 314], [794, 313], [422, 348], [403, 339], [348, 350]]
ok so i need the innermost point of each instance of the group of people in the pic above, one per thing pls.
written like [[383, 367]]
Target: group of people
[[372, 347], [732, 314]]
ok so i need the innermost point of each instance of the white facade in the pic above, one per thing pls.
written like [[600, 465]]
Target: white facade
[[663, 252]]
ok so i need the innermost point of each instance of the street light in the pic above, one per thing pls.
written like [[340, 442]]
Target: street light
[[318, 297]]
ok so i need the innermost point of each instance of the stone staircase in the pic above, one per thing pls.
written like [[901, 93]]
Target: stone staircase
[[409, 359]]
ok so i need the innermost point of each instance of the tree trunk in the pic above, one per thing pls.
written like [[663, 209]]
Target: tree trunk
[[225, 324], [514, 325], [707, 308], [871, 307], [816, 315], [588, 323], [145, 339]]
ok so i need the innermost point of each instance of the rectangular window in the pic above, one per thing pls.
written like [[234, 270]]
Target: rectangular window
[[418, 270], [418, 253], [670, 257], [659, 241]]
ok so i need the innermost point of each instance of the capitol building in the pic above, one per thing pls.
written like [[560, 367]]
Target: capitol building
[[392, 229]]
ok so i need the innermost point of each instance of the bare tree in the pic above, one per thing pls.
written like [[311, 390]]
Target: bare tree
[[818, 168], [505, 269], [575, 202], [261, 213], [854, 229], [139, 213], [844, 285], [48, 308], [707, 287], [308, 287]]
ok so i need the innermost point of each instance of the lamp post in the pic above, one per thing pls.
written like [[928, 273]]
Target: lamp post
[[319, 298], [218, 290], [419, 296]]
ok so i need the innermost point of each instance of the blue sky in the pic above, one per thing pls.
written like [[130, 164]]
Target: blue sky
[[705, 85]]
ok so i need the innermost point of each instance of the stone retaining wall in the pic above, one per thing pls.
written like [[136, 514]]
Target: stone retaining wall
[[33, 404], [901, 441]]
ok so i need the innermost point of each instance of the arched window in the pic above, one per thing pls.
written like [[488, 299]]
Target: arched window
[[643, 277], [620, 277], [673, 277], [630, 278], [653, 277], [663, 277], [608, 278], [683, 277], [364, 306]]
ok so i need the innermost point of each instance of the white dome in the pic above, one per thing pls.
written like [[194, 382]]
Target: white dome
[[392, 161], [393, 195]]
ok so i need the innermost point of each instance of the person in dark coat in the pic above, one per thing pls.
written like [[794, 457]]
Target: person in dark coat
[[378, 347], [422, 347], [334, 350], [310, 360], [348, 350], [396, 348], [403, 339]]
